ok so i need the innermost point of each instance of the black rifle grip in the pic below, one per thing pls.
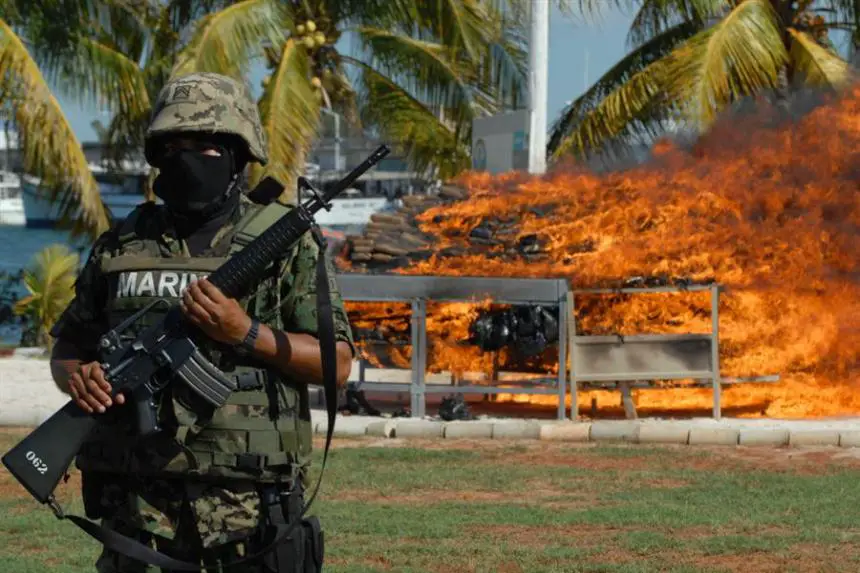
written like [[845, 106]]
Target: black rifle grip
[[147, 416]]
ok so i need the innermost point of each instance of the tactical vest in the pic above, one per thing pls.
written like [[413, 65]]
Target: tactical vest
[[263, 432]]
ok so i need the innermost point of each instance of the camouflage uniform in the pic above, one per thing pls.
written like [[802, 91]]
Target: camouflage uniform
[[175, 491]]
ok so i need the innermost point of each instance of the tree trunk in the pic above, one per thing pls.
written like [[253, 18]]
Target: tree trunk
[[786, 13]]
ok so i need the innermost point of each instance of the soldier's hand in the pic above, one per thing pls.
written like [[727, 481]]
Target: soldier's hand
[[90, 390], [221, 318]]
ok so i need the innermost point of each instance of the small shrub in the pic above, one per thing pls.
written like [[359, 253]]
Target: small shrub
[[50, 281]]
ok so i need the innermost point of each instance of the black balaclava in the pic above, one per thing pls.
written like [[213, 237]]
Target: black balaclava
[[200, 192]]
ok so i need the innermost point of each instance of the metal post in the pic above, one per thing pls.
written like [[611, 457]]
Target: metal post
[[715, 349], [571, 337], [538, 73], [419, 357], [336, 117], [337, 165], [563, 311], [421, 379]]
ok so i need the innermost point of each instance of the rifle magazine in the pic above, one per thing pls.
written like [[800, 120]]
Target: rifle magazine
[[206, 380]]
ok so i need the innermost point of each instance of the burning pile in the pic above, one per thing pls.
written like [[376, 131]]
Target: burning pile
[[768, 208]]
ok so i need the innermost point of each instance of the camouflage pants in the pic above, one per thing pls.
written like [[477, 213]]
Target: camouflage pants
[[200, 523]]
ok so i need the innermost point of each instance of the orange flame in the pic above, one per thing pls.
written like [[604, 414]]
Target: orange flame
[[771, 211]]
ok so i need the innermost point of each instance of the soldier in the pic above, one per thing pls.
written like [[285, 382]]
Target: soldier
[[208, 486]]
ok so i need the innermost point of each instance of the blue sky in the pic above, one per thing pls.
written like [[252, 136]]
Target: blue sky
[[571, 38]]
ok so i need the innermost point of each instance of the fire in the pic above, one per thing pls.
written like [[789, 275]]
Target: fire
[[769, 209]]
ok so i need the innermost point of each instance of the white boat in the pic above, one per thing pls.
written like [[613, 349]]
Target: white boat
[[11, 203]]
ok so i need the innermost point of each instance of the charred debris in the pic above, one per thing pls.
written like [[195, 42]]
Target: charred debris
[[393, 240]]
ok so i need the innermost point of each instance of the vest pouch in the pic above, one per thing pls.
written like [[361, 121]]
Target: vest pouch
[[243, 453]]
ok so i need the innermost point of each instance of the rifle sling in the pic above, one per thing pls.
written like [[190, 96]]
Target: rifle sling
[[328, 351]]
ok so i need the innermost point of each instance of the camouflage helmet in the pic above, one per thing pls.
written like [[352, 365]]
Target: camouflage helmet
[[207, 103]]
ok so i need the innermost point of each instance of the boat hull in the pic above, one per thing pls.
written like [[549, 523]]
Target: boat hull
[[12, 212]]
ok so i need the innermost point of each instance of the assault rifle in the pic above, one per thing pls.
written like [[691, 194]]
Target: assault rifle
[[164, 353]]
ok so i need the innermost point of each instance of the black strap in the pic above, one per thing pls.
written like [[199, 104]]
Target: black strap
[[328, 352]]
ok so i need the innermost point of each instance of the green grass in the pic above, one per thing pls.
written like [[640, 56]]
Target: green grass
[[539, 507]]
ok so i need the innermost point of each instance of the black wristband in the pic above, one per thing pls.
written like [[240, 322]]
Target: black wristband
[[247, 346]]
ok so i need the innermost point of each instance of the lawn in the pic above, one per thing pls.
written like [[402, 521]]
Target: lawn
[[445, 505]]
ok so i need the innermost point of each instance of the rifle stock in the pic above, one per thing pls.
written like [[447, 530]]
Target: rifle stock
[[163, 352], [41, 459]]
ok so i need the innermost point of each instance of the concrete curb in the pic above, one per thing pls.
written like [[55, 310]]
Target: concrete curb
[[769, 437], [418, 429], [849, 439], [713, 437], [814, 438], [715, 433], [668, 433], [473, 430], [614, 431], [565, 432], [28, 397], [516, 430]]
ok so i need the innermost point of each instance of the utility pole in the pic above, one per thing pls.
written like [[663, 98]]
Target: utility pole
[[538, 85], [336, 116]]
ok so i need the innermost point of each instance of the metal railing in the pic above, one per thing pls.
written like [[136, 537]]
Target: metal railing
[[652, 357], [418, 290], [626, 360]]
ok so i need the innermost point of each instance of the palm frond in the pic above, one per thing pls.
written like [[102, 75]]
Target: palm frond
[[125, 26], [125, 137], [226, 41], [816, 65], [656, 16], [739, 55], [425, 140], [100, 76], [625, 103], [457, 59], [51, 151], [503, 67], [429, 70], [457, 24], [466, 28], [289, 111], [380, 13], [183, 12]]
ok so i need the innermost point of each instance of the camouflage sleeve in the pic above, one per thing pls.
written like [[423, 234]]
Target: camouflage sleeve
[[84, 320], [299, 292]]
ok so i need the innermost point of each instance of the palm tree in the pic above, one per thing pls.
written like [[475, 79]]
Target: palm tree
[[50, 149], [690, 59], [50, 281], [420, 71]]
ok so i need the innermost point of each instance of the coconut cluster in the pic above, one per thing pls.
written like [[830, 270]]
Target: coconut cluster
[[312, 38]]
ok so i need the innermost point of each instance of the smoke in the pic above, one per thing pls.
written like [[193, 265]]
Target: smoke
[[768, 109]]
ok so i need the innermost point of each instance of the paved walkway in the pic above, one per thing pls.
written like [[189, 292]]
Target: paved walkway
[[28, 396]]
